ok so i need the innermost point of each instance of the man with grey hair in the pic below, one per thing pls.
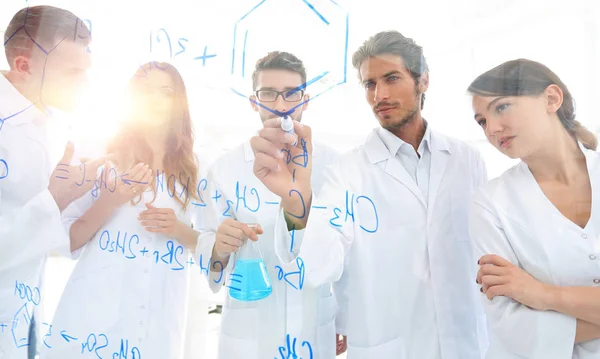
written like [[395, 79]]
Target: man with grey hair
[[46, 49], [395, 224]]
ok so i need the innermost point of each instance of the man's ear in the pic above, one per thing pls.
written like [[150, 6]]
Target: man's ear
[[21, 64], [253, 102], [306, 100], [424, 82]]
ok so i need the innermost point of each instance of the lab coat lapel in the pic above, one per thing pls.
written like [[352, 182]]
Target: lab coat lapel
[[440, 154], [37, 134], [377, 152]]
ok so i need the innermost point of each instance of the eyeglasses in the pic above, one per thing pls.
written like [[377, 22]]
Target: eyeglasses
[[272, 95]]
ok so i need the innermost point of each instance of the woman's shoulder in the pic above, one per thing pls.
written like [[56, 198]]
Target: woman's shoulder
[[504, 187]]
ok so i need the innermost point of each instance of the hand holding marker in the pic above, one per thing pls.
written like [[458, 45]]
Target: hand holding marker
[[287, 125]]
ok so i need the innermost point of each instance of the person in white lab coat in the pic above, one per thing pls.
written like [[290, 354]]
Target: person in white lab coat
[[395, 218], [536, 229], [261, 329], [47, 69], [127, 294]]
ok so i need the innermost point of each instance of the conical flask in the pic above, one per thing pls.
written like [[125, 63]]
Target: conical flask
[[249, 280]]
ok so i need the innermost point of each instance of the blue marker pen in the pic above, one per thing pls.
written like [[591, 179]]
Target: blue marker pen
[[287, 125]]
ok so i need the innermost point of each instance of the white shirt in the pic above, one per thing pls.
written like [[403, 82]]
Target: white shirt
[[417, 163], [511, 217], [256, 330], [406, 260], [30, 224], [129, 285]]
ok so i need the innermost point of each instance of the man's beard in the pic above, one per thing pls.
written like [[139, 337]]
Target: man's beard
[[406, 120]]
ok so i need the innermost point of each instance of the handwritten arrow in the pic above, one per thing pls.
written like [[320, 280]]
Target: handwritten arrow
[[67, 337], [128, 181]]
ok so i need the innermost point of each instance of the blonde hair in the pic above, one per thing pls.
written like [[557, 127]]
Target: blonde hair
[[130, 147], [586, 137]]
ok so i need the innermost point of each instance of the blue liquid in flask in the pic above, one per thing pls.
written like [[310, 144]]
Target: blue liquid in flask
[[250, 280]]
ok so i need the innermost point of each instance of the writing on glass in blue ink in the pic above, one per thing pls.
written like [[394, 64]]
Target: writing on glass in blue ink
[[95, 345], [171, 255], [296, 278], [3, 169], [241, 197], [22, 318], [301, 159], [162, 37], [212, 266], [24, 291], [103, 180], [127, 245], [172, 184], [86, 34], [98, 344], [184, 193], [63, 333], [337, 221], [24, 315], [303, 213], [289, 351]]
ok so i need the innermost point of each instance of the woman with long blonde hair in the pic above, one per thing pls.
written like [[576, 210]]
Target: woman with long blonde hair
[[128, 292]]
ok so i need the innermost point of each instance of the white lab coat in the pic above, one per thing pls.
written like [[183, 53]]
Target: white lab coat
[[30, 224], [375, 242], [511, 217], [126, 296], [256, 330]]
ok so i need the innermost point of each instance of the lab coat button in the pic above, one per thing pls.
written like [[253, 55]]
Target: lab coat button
[[597, 280], [146, 270], [141, 322], [592, 256], [143, 307], [584, 236]]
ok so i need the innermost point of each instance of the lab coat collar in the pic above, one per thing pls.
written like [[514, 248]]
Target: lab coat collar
[[394, 143], [440, 155], [15, 108], [249, 154], [377, 151]]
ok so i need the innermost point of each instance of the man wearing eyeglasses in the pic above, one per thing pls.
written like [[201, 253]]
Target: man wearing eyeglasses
[[292, 319]]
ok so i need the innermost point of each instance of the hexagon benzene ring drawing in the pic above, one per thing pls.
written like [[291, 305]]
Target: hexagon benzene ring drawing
[[308, 82]]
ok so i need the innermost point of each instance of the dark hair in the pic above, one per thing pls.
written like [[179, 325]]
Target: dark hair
[[179, 161], [278, 60], [45, 26], [524, 77], [394, 43]]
